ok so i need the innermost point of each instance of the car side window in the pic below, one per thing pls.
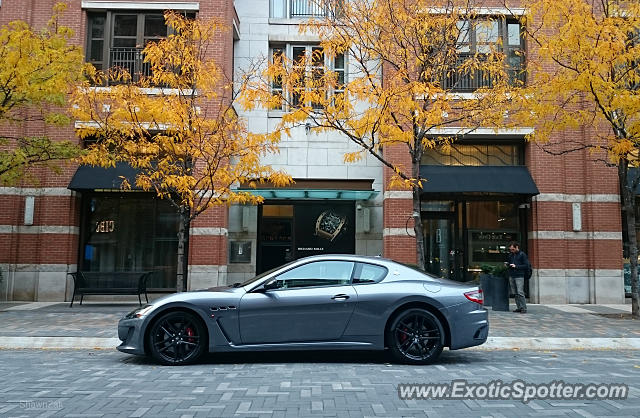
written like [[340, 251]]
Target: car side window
[[368, 273], [319, 273]]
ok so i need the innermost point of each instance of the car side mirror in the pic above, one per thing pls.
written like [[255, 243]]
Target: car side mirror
[[273, 284]]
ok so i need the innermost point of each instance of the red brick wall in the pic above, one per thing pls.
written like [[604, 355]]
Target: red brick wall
[[209, 249], [575, 173], [397, 211]]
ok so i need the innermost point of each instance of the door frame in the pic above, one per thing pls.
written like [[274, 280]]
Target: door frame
[[260, 243], [452, 217]]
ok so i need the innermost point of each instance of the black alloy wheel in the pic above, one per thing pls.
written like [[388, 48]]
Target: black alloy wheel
[[177, 338], [415, 337]]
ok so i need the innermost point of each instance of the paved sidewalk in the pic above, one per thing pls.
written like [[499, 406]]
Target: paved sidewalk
[[565, 321], [94, 325]]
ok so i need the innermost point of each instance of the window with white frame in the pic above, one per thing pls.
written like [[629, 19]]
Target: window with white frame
[[483, 36], [312, 62]]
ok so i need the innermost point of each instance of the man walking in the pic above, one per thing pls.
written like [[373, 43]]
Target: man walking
[[518, 264]]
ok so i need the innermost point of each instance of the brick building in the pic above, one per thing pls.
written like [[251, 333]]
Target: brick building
[[490, 189], [79, 219], [494, 187]]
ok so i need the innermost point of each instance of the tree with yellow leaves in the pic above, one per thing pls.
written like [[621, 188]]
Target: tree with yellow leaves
[[406, 61], [587, 73], [177, 126], [37, 71]]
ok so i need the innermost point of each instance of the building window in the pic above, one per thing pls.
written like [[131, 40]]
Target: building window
[[483, 36], [130, 232], [312, 61], [491, 225], [116, 39], [284, 9], [474, 155]]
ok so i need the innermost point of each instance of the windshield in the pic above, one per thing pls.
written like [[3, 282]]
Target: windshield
[[261, 275]]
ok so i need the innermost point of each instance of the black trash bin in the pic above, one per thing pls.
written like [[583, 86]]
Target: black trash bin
[[486, 281], [500, 298]]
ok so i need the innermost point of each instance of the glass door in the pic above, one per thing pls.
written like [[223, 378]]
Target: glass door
[[275, 237], [440, 245]]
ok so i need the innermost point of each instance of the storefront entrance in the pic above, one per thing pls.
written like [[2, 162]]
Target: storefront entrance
[[130, 232], [463, 237], [294, 230], [440, 244]]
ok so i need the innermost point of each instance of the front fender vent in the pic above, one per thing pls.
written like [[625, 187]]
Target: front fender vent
[[222, 308]]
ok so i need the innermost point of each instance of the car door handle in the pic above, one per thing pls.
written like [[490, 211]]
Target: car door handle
[[341, 296]]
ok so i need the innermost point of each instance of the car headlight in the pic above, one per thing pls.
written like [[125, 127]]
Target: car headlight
[[139, 312]]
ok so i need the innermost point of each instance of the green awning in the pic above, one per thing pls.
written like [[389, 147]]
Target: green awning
[[313, 194]]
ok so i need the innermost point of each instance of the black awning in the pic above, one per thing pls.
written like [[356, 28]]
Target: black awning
[[90, 178], [482, 179]]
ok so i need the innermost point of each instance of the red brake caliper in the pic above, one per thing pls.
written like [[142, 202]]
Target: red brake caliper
[[403, 335], [190, 334]]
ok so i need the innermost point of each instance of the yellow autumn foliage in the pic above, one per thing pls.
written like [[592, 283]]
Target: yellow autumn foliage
[[178, 125], [584, 72], [399, 54], [38, 68]]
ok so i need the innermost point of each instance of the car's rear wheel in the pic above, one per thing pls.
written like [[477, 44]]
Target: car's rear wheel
[[415, 336], [177, 338]]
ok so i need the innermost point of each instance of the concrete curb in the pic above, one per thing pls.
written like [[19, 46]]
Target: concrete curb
[[73, 343], [493, 343], [547, 343]]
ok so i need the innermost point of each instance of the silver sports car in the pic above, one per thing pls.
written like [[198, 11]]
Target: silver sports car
[[323, 302]]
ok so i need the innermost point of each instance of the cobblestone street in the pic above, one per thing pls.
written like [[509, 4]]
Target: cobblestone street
[[97, 383]]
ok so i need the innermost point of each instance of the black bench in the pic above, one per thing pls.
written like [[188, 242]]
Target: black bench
[[110, 283]]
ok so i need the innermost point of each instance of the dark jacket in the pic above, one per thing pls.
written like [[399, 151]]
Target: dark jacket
[[522, 264]]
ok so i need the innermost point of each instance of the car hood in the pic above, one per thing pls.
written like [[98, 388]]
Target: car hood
[[197, 294]]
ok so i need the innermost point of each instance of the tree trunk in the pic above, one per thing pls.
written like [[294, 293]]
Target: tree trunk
[[182, 238], [628, 209], [417, 228], [417, 211]]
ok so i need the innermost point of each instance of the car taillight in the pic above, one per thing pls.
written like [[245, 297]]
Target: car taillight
[[475, 296]]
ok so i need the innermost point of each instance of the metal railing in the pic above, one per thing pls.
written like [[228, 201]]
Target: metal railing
[[130, 60], [306, 8], [474, 79]]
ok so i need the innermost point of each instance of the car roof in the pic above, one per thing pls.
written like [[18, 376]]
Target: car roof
[[349, 257]]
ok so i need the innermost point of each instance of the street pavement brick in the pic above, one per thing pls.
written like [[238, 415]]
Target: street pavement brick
[[343, 384]]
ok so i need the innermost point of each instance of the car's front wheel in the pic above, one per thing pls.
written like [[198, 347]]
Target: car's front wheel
[[177, 338], [415, 336]]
